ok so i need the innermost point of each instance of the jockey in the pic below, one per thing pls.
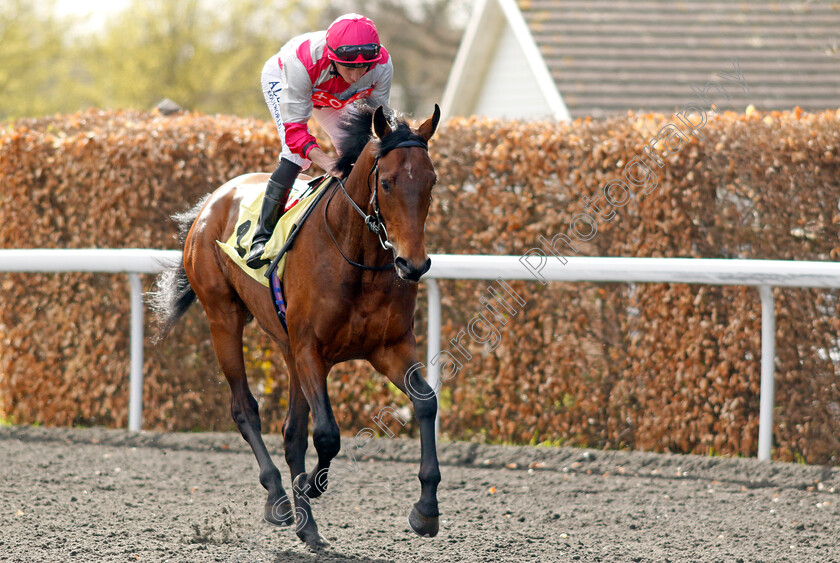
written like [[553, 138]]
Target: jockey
[[316, 75]]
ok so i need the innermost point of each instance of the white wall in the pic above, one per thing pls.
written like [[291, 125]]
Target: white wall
[[510, 88]]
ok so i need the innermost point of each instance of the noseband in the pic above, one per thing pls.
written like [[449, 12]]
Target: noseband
[[375, 222]]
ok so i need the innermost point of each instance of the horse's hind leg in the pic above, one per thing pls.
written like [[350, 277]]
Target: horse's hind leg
[[296, 425], [311, 377], [226, 326], [295, 433]]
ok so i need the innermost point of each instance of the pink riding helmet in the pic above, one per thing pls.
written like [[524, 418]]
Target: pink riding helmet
[[353, 39]]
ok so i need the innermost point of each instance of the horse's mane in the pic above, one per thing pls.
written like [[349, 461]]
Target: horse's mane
[[357, 130]]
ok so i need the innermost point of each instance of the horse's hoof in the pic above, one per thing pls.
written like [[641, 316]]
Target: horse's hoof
[[300, 487], [312, 490], [423, 526], [303, 487], [280, 512], [314, 541]]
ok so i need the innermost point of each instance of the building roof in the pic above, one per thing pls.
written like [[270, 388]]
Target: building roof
[[608, 56]]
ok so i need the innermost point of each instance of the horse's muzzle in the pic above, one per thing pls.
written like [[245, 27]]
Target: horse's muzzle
[[407, 271]]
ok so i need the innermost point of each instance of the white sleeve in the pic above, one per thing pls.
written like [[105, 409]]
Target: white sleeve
[[381, 95], [296, 98]]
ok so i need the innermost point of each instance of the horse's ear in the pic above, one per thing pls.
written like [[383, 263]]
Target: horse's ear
[[430, 125], [380, 123]]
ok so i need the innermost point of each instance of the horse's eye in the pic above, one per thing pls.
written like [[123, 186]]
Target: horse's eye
[[386, 186]]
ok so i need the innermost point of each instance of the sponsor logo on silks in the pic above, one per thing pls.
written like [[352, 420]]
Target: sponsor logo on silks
[[321, 98], [274, 87]]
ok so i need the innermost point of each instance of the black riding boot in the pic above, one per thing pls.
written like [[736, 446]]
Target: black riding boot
[[276, 195]]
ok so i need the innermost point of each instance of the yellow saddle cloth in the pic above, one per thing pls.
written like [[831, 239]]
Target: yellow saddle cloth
[[239, 243]]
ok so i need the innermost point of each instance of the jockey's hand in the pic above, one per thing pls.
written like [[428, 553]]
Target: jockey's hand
[[325, 161]]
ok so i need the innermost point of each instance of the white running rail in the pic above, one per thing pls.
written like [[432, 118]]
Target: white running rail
[[763, 274], [131, 261]]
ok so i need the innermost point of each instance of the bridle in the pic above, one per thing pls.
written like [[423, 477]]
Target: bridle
[[375, 222]]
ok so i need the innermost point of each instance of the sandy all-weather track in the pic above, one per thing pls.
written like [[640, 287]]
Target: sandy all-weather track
[[106, 495]]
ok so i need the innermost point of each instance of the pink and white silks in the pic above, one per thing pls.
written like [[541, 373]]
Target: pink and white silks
[[297, 83]]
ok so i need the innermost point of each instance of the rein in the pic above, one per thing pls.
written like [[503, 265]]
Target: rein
[[375, 222]]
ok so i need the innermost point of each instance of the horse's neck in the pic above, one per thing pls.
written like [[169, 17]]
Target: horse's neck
[[357, 242]]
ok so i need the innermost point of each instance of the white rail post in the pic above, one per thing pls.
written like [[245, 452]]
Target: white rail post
[[433, 344], [135, 398], [768, 368]]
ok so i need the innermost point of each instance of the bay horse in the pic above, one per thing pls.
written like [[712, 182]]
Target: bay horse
[[350, 295]]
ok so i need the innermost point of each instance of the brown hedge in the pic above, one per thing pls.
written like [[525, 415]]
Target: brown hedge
[[649, 366]]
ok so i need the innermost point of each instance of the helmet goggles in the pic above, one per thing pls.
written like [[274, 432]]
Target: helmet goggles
[[356, 55]]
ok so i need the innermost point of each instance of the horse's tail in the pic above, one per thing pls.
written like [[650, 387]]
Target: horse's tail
[[174, 294]]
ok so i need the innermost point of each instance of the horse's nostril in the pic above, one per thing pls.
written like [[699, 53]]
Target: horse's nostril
[[402, 264]]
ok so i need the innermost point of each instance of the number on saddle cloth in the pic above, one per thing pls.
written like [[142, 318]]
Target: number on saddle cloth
[[240, 234]]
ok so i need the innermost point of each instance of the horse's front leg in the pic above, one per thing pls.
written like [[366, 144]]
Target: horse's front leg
[[399, 364]]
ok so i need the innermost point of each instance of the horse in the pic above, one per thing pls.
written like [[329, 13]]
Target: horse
[[350, 293]]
